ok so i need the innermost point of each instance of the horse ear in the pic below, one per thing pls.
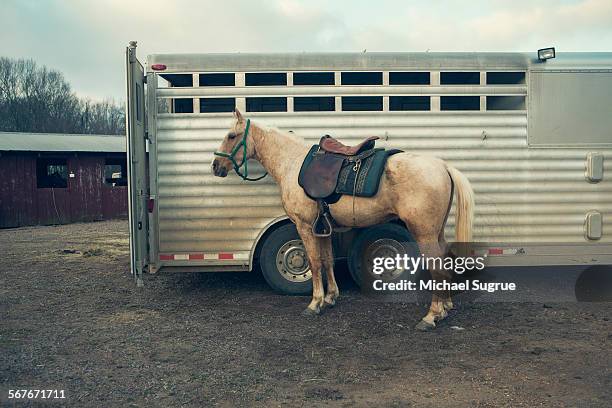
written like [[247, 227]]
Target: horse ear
[[238, 115]]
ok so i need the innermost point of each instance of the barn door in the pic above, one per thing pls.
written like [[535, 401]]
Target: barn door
[[137, 167]]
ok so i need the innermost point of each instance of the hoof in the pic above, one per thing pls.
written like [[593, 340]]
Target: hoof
[[309, 312], [424, 326], [330, 303]]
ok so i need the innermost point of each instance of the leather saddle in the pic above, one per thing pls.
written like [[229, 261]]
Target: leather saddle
[[320, 178], [331, 145]]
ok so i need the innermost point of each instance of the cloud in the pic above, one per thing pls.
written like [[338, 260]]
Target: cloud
[[86, 40]]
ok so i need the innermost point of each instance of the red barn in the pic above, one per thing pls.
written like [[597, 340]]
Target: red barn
[[61, 178]]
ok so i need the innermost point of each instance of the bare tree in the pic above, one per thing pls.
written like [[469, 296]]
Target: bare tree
[[36, 99], [106, 117]]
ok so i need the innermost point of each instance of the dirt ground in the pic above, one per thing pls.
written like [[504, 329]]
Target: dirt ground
[[72, 319]]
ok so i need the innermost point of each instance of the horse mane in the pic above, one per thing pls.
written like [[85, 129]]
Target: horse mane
[[288, 134]]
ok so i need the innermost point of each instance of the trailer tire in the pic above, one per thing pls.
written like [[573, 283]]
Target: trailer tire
[[381, 240], [283, 262]]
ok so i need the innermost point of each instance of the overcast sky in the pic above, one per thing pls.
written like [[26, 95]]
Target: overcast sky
[[86, 39]]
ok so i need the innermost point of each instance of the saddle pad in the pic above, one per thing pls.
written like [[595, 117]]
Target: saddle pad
[[366, 179]]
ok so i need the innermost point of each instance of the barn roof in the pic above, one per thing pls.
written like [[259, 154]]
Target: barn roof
[[59, 142]]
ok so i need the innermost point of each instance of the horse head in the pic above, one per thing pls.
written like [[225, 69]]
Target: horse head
[[235, 149]]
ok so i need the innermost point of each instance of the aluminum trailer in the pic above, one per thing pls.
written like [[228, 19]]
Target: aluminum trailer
[[532, 136]]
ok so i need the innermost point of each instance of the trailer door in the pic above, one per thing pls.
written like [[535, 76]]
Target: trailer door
[[137, 166]]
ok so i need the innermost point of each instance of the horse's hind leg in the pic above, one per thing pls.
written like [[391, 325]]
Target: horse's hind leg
[[441, 302], [447, 300], [315, 258], [327, 257]]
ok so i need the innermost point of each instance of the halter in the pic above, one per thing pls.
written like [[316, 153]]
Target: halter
[[244, 161]]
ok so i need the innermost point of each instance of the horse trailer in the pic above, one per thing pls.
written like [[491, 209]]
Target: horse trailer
[[531, 134]]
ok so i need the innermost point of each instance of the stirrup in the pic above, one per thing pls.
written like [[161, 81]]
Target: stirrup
[[322, 227]]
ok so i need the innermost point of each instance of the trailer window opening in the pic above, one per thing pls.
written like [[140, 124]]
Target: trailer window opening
[[217, 79], [183, 105], [266, 104], [505, 78], [313, 104], [179, 80], [214, 105], [409, 78], [115, 172], [460, 103], [313, 78], [51, 173], [362, 103], [265, 78], [459, 78], [505, 102], [409, 103], [361, 78]]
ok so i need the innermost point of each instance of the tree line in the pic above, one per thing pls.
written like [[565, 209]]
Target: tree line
[[37, 99]]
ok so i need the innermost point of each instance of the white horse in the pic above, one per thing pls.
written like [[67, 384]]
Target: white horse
[[414, 188]]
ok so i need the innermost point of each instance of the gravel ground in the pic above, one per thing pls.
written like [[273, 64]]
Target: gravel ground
[[72, 319]]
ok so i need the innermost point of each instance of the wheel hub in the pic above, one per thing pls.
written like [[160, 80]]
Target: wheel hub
[[385, 248], [292, 262]]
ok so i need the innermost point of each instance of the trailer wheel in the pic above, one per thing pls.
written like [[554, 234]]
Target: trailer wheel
[[385, 240], [283, 262], [594, 284]]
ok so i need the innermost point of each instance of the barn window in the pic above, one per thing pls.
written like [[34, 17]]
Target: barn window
[[51, 173], [459, 103], [183, 105], [361, 78], [409, 103], [211, 105], [459, 78], [313, 78], [362, 103], [115, 172], [179, 80], [409, 78], [217, 79], [270, 104], [265, 79], [505, 78], [505, 103], [317, 103]]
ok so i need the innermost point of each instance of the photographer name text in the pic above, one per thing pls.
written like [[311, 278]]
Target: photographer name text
[[474, 285]]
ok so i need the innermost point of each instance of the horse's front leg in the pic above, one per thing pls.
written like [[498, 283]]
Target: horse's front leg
[[315, 258], [327, 256]]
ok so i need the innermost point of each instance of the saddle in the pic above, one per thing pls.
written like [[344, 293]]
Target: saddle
[[331, 145], [332, 169]]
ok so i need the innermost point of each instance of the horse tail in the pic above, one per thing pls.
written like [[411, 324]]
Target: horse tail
[[465, 205]]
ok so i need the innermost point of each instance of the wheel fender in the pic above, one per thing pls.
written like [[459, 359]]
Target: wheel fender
[[283, 219]]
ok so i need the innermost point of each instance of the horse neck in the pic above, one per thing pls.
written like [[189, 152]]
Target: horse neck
[[276, 151]]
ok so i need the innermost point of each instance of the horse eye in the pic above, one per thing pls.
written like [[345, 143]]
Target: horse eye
[[231, 136]]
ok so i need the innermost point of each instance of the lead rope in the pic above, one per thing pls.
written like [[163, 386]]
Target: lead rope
[[356, 168]]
